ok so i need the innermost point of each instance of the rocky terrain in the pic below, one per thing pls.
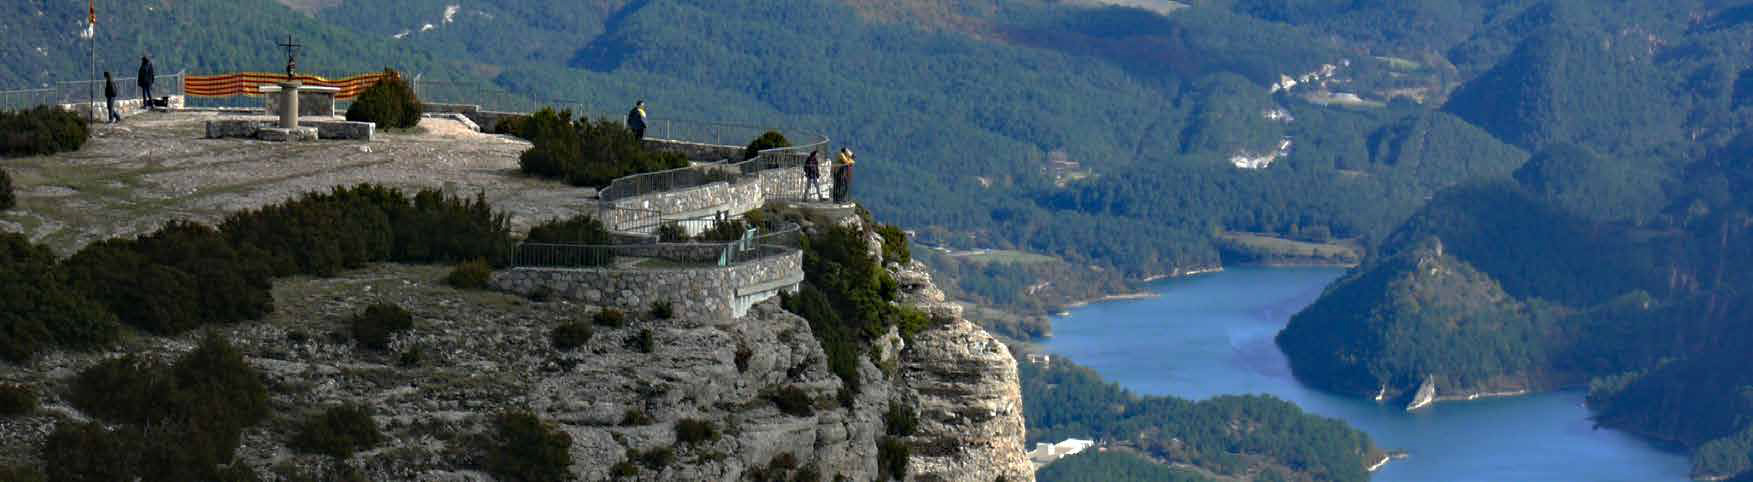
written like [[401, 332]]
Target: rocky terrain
[[474, 354]]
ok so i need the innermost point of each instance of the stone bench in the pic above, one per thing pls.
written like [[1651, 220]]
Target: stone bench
[[312, 100], [324, 129]]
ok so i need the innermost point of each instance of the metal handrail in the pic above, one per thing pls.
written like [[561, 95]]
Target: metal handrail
[[695, 176]]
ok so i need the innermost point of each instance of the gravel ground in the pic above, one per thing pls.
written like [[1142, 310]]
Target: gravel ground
[[152, 168]]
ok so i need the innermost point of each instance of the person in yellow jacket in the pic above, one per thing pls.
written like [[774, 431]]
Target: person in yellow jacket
[[843, 175]]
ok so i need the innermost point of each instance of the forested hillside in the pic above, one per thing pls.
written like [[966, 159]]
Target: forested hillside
[[1614, 256]]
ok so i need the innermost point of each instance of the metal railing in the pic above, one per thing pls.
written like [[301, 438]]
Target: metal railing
[[76, 92], [488, 97], [695, 176], [775, 239]]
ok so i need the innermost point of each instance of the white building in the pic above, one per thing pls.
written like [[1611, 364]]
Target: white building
[[1045, 453]]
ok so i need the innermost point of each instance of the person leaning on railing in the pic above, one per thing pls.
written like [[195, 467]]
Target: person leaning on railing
[[812, 176], [843, 176]]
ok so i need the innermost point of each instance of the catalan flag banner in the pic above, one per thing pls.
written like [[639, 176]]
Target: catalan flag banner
[[250, 84]]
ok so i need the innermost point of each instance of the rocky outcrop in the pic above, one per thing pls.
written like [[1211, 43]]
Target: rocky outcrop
[[1425, 396], [964, 385]]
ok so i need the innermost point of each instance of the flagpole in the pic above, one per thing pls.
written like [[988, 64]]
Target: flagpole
[[91, 43]]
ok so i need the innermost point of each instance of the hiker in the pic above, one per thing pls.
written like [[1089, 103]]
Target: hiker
[[843, 176], [145, 81], [636, 120], [812, 175], [109, 95]]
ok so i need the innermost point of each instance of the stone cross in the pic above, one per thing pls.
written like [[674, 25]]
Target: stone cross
[[291, 55]]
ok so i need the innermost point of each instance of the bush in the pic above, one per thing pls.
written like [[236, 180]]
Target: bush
[[690, 431], [610, 317], [583, 152], [644, 341], [569, 336], [623, 469], [7, 201], [180, 277], [40, 131], [892, 454], [389, 103], [339, 432], [374, 326], [17, 400], [901, 420], [725, 231], [793, 401], [671, 232], [526, 448], [21, 473], [634, 417], [768, 140], [471, 275], [42, 309], [895, 247], [655, 459], [581, 230], [204, 401], [662, 310], [743, 354]]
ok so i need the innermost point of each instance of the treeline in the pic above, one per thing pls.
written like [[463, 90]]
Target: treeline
[[1064, 400], [187, 275]]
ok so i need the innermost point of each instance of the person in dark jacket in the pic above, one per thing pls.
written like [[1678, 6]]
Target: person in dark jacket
[[812, 176], [636, 120], [145, 81], [109, 95]]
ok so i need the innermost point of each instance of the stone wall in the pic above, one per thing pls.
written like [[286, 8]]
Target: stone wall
[[695, 201], [487, 120], [125, 107], [326, 129], [711, 293]]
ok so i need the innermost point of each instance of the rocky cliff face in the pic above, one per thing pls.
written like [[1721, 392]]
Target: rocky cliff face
[[472, 355], [964, 384]]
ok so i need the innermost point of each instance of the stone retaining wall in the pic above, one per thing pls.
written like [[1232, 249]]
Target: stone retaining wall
[[326, 129], [694, 202], [711, 293], [487, 120]]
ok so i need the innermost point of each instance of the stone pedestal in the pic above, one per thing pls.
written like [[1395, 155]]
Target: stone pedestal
[[313, 100], [289, 104]]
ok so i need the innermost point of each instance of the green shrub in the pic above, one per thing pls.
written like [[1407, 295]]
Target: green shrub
[[644, 341], [374, 326], [690, 431], [895, 247], [180, 277], [411, 357], [570, 335], [581, 230], [724, 231], [892, 454], [655, 459], [39, 131], [793, 401], [471, 275], [85, 452], [22, 473], [7, 201], [623, 469], [901, 420], [526, 448], [634, 417], [671, 232], [584, 152], [204, 401], [743, 354], [768, 140], [512, 125], [42, 309], [662, 310], [389, 103], [339, 431], [17, 400], [610, 317]]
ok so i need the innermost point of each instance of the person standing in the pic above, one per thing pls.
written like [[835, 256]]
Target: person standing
[[145, 81], [843, 176], [812, 176], [636, 120], [109, 95]]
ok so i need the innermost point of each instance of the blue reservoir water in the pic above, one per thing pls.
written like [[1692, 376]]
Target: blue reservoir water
[[1212, 335]]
